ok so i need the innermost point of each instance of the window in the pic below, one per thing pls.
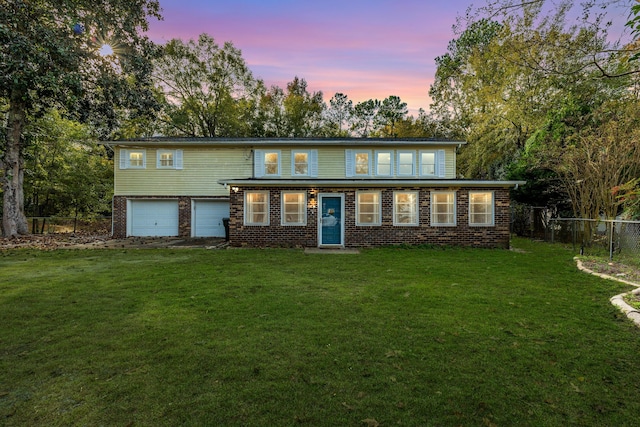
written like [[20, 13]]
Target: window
[[368, 208], [256, 208], [427, 163], [358, 163], [406, 163], [169, 159], [443, 208], [481, 208], [266, 163], [304, 163], [405, 208], [432, 163], [272, 163], [294, 208], [133, 159], [384, 163], [362, 163]]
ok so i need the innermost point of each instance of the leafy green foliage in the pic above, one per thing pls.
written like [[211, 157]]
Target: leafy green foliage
[[205, 87], [50, 57], [67, 172]]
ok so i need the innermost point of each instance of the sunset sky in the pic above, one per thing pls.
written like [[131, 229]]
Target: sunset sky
[[362, 48]]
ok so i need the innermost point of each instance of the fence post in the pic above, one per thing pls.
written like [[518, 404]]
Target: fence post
[[611, 241]]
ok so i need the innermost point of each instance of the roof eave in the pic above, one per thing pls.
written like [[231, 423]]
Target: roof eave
[[369, 183]]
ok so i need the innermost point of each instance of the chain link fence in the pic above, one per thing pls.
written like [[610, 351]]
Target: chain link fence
[[596, 237], [612, 238], [55, 225]]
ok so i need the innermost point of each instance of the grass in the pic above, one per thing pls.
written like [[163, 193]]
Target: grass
[[391, 336]]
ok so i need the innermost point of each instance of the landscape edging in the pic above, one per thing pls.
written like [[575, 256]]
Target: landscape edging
[[617, 300]]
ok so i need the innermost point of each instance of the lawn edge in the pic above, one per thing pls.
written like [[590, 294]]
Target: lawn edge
[[617, 300]]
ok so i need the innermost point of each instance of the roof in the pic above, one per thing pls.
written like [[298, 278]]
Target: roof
[[358, 182], [253, 142]]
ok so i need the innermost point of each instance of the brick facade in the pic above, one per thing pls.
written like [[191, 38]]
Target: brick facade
[[462, 234]]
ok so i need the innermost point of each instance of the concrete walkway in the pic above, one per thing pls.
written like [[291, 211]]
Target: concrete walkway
[[338, 251]]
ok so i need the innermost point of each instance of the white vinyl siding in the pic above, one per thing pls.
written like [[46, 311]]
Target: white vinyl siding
[[304, 163], [368, 208], [294, 208], [267, 163], [405, 208], [169, 159], [256, 208], [406, 163], [133, 159], [443, 208], [384, 163], [481, 208]]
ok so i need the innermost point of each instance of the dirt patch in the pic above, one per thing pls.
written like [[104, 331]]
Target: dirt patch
[[94, 241], [614, 269]]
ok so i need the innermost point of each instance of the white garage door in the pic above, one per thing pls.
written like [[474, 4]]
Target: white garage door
[[153, 218], [206, 218]]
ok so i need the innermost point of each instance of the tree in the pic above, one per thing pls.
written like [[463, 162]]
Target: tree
[[302, 109], [601, 154], [49, 55], [67, 172], [585, 48], [391, 111], [339, 112], [204, 86], [363, 117], [272, 114]]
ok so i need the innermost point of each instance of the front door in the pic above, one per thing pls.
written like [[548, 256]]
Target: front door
[[331, 223]]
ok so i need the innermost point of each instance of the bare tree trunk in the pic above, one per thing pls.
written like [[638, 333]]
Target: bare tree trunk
[[14, 221]]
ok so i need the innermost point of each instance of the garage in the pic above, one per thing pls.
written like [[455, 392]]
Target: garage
[[152, 218], [206, 218]]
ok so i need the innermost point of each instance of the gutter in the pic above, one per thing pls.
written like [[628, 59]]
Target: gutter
[[368, 183]]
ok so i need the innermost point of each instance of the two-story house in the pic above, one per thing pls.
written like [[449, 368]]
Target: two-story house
[[306, 192]]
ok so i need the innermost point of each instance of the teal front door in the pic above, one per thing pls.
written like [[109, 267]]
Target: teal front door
[[331, 220]]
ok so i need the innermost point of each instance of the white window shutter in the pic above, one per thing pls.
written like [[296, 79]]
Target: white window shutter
[[349, 163], [178, 159], [124, 158], [258, 163], [313, 163], [440, 165], [158, 157]]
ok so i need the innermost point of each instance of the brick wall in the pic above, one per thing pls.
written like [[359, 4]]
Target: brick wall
[[386, 234]]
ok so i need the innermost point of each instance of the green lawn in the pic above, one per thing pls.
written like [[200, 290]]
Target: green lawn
[[413, 337]]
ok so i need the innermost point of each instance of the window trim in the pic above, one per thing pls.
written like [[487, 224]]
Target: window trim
[[176, 159], [350, 160], [439, 167], [379, 208], [416, 209], [260, 169], [413, 162], [434, 213], [312, 163], [375, 154], [302, 209], [125, 158], [492, 205], [267, 208]]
